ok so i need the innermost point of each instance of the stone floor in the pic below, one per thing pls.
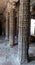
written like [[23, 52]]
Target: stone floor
[[32, 49], [8, 55]]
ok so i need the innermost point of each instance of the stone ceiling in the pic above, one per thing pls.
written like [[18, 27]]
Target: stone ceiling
[[32, 1], [3, 4]]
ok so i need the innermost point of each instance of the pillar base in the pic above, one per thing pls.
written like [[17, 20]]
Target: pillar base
[[20, 62], [6, 38], [11, 43], [24, 63]]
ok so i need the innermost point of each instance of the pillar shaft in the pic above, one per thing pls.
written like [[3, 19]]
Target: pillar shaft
[[6, 26], [11, 28], [24, 30]]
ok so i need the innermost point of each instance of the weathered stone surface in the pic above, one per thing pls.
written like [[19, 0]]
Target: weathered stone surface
[[11, 28], [24, 30], [6, 26]]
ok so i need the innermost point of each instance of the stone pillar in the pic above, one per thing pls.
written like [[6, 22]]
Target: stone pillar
[[11, 28], [6, 38], [24, 31]]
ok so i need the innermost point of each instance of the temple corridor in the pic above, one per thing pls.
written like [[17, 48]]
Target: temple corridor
[[17, 32]]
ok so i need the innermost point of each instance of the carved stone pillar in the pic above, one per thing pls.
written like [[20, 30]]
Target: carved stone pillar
[[6, 38], [24, 30], [11, 28]]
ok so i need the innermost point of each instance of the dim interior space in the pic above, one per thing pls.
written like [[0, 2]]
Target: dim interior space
[[17, 32]]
